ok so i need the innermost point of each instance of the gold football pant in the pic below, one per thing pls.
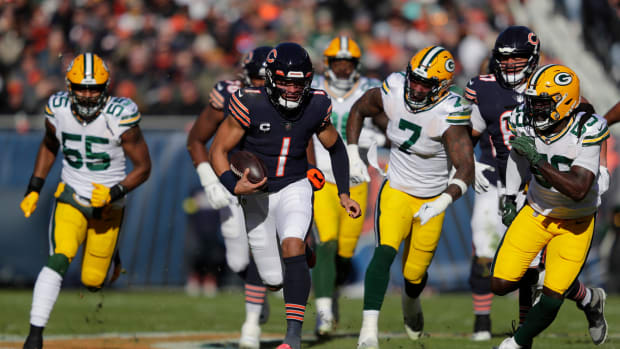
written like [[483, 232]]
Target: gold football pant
[[333, 222], [395, 223], [70, 228], [567, 240]]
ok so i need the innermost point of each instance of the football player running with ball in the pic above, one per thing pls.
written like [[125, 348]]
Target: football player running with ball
[[337, 232], [96, 134], [514, 58], [231, 215], [276, 123], [428, 130], [561, 145]]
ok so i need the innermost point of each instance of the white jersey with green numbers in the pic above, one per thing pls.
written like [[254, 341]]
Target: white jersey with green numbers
[[570, 147], [92, 151], [340, 114], [419, 164]]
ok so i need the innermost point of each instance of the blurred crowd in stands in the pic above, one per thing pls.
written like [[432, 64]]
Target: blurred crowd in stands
[[167, 54]]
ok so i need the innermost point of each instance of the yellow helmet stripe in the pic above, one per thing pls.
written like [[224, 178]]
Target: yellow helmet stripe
[[344, 43], [430, 56], [536, 76]]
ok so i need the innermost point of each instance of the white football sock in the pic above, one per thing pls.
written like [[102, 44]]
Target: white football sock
[[324, 306], [252, 313], [370, 320], [45, 293]]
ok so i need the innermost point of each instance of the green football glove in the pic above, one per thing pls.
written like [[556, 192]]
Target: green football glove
[[509, 210], [526, 146]]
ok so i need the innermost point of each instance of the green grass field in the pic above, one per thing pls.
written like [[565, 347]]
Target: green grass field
[[448, 319]]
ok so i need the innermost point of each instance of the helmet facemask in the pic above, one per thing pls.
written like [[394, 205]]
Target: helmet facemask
[[415, 99], [87, 107], [292, 95], [342, 83], [514, 74]]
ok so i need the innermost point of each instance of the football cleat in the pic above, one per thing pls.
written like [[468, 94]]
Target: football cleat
[[250, 336], [509, 343], [412, 316], [595, 313], [368, 340], [324, 324], [482, 328], [35, 338]]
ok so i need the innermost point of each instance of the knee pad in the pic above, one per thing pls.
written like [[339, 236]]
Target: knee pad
[[480, 275], [414, 290], [59, 263]]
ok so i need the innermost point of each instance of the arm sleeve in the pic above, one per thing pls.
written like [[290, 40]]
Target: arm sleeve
[[516, 170], [340, 165]]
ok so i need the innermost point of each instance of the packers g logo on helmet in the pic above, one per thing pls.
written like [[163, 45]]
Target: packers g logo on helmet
[[432, 66], [551, 95], [342, 48], [87, 72]]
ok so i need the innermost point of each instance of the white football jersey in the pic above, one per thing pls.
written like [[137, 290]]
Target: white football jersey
[[419, 164], [92, 151], [570, 147], [340, 114]]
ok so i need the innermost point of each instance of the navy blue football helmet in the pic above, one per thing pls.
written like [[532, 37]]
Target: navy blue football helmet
[[515, 42], [253, 64], [288, 64]]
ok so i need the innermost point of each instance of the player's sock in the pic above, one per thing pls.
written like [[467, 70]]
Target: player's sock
[[525, 293], [482, 303], [343, 269], [578, 292], [378, 277], [540, 317], [46, 290], [324, 272], [255, 293], [296, 291]]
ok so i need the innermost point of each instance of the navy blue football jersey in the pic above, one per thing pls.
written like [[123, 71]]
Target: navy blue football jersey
[[222, 91], [279, 141], [495, 104]]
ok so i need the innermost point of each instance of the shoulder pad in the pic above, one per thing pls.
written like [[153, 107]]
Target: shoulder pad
[[318, 92], [368, 83], [57, 100], [596, 130], [458, 108], [392, 81], [124, 109]]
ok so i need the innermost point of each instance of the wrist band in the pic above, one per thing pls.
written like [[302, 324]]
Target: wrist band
[[35, 184], [229, 180], [459, 183], [117, 192]]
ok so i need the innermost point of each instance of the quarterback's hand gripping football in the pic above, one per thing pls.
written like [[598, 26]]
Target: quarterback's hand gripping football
[[526, 147], [353, 208], [358, 171], [481, 183], [245, 187], [29, 203], [217, 195], [100, 195], [509, 211], [431, 209]]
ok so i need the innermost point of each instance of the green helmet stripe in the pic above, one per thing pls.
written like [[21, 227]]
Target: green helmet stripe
[[430, 56], [537, 74]]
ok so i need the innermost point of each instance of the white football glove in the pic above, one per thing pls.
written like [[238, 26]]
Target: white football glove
[[481, 183], [603, 180], [217, 195], [431, 209], [358, 171]]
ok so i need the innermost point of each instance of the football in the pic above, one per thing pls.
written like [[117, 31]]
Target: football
[[242, 159]]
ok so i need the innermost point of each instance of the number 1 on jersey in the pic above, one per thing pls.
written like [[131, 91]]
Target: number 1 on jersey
[[286, 144]]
